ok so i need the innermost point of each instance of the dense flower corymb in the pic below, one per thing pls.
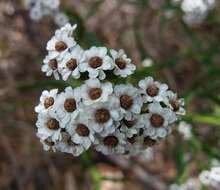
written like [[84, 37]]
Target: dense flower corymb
[[114, 119]]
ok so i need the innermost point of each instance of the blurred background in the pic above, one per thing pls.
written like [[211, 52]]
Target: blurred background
[[155, 35]]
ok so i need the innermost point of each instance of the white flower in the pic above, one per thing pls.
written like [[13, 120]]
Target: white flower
[[60, 44], [68, 146], [196, 10], [132, 126], [158, 121], [48, 144], [95, 91], [67, 29], [61, 19], [49, 126], [69, 66], [67, 105], [147, 62], [130, 100], [152, 90], [96, 62], [112, 144], [211, 178], [177, 105], [50, 67], [81, 131], [123, 65], [185, 129], [190, 184], [47, 100], [105, 116]]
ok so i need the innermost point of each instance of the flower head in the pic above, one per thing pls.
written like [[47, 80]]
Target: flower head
[[47, 100], [158, 121], [123, 65], [152, 90], [67, 106], [104, 116], [96, 61], [129, 98], [94, 91], [69, 65], [113, 143]]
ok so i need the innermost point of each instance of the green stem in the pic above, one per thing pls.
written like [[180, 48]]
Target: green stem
[[206, 119]]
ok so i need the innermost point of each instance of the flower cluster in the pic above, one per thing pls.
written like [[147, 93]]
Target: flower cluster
[[190, 184], [41, 8], [67, 59], [211, 178], [196, 10], [115, 119]]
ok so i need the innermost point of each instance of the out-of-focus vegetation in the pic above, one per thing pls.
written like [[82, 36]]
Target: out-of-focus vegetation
[[187, 58]]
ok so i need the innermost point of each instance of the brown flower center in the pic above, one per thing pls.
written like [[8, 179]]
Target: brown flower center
[[60, 46], [53, 64], [95, 62], [120, 63], [152, 90], [95, 93], [82, 130], [126, 101], [70, 105], [71, 64], [102, 115], [132, 140], [53, 124], [49, 142], [129, 124], [48, 102], [175, 104], [149, 142], [110, 141], [156, 120]]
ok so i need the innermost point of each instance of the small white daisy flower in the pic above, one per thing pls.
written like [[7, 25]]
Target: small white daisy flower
[[67, 29], [50, 67], [69, 66], [132, 126], [68, 146], [123, 65], [60, 44], [152, 90], [95, 91], [67, 105], [48, 144], [49, 126], [104, 116], [158, 121], [112, 144], [96, 61], [177, 105], [81, 131], [47, 100], [130, 99]]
